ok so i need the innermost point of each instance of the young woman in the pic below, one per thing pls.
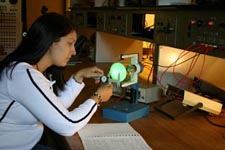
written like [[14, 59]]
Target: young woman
[[33, 91]]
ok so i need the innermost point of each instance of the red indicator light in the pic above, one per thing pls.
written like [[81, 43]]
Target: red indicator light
[[192, 22], [210, 23]]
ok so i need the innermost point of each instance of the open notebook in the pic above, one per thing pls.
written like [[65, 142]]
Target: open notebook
[[112, 136]]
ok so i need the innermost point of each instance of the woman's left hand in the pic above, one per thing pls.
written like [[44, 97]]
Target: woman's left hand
[[90, 72]]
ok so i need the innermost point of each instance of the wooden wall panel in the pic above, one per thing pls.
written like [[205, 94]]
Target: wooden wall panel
[[34, 8]]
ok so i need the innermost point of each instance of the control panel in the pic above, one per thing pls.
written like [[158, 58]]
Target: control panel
[[116, 22], [79, 18], [166, 29], [10, 25], [175, 27], [206, 29], [184, 29], [91, 19]]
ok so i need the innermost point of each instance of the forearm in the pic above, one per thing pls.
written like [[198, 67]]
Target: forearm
[[71, 91]]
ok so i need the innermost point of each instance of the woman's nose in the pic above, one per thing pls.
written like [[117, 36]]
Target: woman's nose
[[73, 51]]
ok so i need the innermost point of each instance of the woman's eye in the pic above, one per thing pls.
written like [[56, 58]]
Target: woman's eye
[[70, 43]]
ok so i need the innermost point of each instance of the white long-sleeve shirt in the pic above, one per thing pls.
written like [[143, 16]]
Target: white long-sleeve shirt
[[27, 100]]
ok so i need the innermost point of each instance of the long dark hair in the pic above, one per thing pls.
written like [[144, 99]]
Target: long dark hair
[[47, 29]]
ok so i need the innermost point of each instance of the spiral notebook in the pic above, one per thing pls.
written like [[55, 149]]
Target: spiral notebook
[[112, 136]]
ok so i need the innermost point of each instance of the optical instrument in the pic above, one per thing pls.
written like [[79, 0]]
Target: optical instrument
[[126, 77]]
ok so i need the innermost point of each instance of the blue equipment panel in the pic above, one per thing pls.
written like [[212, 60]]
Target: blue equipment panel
[[124, 111]]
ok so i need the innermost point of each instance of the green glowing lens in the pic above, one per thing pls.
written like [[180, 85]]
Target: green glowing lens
[[118, 71]]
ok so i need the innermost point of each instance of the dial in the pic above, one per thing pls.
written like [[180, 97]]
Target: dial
[[104, 79]]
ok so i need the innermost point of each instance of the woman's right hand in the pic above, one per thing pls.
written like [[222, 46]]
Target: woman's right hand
[[105, 91]]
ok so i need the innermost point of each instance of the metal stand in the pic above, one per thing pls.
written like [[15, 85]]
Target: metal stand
[[127, 111], [174, 108]]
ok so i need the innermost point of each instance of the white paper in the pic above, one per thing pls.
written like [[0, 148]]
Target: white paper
[[111, 136]]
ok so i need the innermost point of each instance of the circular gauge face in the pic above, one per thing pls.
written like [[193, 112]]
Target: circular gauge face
[[104, 79]]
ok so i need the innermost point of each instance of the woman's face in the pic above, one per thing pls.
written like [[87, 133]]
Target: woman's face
[[62, 51]]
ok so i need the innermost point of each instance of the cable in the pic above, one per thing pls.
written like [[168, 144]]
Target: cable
[[192, 64], [150, 72], [178, 63], [206, 49], [160, 79]]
